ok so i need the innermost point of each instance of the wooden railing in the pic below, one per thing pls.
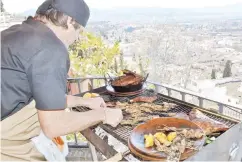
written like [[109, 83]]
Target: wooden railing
[[225, 108]]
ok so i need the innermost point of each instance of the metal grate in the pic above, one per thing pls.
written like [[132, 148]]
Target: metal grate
[[122, 132]]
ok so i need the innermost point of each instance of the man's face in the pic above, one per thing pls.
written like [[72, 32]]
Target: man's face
[[72, 34]]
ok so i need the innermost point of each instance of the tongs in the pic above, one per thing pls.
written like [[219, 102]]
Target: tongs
[[118, 157], [144, 80]]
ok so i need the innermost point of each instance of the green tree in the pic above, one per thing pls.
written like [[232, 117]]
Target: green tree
[[227, 70], [2, 7], [90, 56], [115, 65], [213, 75]]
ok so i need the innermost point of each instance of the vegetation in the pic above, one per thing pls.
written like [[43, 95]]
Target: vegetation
[[2, 7], [213, 75], [90, 56], [227, 70], [79, 136]]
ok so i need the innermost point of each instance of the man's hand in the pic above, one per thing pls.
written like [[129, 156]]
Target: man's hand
[[92, 103], [95, 103], [113, 116]]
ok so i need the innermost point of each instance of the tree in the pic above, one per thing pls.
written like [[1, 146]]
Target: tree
[[2, 7], [121, 59], [90, 56], [141, 67], [213, 75], [227, 70]]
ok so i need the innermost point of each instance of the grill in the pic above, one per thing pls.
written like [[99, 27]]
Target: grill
[[123, 132]]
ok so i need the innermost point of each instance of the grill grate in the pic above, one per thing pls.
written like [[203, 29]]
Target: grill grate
[[122, 132]]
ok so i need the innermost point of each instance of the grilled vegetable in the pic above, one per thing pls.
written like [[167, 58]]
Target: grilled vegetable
[[171, 136], [149, 140], [161, 137], [210, 140]]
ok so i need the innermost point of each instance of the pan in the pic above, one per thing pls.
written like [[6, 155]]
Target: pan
[[130, 87]]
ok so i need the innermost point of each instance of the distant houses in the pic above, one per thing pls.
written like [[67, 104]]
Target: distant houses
[[7, 20]]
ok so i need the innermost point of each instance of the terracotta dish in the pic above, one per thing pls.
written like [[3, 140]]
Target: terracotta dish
[[136, 140]]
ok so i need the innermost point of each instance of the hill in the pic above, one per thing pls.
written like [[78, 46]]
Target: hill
[[161, 14]]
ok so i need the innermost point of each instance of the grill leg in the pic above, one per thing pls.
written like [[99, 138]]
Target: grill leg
[[93, 152]]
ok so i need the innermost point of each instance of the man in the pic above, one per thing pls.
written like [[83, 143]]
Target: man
[[34, 66]]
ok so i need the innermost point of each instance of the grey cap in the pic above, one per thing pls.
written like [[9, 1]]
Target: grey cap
[[76, 9]]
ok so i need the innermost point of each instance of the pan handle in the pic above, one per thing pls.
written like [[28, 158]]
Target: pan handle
[[144, 80], [111, 79]]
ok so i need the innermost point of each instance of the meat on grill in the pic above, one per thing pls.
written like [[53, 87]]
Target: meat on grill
[[207, 124], [144, 99], [181, 115], [129, 78]]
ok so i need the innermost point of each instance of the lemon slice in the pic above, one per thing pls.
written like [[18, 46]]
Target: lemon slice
[[87, 95]]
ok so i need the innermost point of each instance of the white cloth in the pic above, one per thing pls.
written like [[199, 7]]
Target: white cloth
[[49, 149]]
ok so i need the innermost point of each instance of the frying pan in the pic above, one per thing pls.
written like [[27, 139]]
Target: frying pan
[[129, 87]]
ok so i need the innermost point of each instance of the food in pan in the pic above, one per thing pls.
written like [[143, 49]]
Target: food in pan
[[144, 99], [149, 140], [181, 115], [129, 78], [173, 141], [207, 124]]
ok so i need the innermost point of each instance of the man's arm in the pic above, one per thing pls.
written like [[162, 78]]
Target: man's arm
[[58, 123], [47, 74]]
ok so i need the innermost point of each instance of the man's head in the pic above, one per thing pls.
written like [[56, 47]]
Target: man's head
[[66, 17]]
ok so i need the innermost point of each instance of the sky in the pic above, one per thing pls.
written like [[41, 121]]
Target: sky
[[19, 6]]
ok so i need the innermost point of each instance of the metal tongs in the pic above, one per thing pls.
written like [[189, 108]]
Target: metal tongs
[[118, 157]]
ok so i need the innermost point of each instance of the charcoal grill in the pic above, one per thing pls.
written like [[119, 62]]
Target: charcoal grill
[[122, 132]]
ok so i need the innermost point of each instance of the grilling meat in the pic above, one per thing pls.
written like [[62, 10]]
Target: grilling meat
[[144, 99], [111, 104], [137, 112], [207, 124], [181, 115], [129, 78]]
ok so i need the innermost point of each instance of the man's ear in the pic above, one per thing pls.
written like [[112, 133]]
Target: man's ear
[[69, 23]]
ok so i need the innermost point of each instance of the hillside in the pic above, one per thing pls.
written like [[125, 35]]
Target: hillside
[[161, 14]]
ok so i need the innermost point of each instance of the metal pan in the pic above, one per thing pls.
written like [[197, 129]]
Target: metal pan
[[130, 87]]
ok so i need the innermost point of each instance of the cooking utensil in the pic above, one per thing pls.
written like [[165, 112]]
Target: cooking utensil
[[118, 157], [129, 87], [136, 139], [111, 91]]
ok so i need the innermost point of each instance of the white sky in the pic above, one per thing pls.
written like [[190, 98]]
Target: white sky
[[18, 6]]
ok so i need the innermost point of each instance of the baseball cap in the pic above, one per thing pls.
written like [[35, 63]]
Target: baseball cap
[[76, 9]]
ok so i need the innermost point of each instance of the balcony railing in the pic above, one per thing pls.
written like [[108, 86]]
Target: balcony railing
[[225, 108]]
